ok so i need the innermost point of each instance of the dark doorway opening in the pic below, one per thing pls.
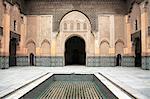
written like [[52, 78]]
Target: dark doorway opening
[[138, 56], [75, 51], [118, 60], [12, 52], [32, 59]]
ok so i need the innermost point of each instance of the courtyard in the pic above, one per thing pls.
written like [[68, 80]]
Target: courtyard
[[132, 79]]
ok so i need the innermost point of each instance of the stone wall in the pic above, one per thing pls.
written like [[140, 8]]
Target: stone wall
[[1, 12]]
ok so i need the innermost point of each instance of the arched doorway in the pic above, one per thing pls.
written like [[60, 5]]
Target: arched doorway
[[32, 59], [75, 51]]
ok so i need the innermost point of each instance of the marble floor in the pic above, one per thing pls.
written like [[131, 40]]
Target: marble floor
[[134, 80]]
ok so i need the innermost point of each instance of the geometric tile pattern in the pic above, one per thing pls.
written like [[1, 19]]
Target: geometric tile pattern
[[4, 62], [58, 61], [146, 62], [128, 61], [49, 61], [22, 61], [101, 61]]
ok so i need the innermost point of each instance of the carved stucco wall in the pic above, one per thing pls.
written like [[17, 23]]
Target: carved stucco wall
[[120, 38], [15, 17], [44, 29], [135, 15], [111, 29], [131, 2], [39, 29], [119, 27], [59, 8], [21, 4], [104, 27], [1, 21], [45, 48], [74, 18], [1, 12], [149, 13], [148, 8], [32, 28], [31, 47], [9, 14], [119, 47], [104, 45]]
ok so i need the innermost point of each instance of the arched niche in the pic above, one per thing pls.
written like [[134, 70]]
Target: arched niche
[[119, 47], [104, 48], [31, 47], [45, 48]]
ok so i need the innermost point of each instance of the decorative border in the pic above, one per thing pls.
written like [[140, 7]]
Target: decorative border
[[4, 62], [22, 61], [146, 62], [101, 61], [128, 61], [57, 61], [49, 61]]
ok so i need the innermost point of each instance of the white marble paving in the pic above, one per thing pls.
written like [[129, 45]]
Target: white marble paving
[[134, 80]]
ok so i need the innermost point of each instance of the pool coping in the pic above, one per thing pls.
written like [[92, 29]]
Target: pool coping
[[26, 87], [124, 87], [112, 86]]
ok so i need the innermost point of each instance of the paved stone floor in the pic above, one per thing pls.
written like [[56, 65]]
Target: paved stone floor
[[134, 80]]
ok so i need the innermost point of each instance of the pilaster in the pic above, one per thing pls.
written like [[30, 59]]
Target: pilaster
[[112, 35], [144, 34], [127, 50], [6, 38], [144, 27], [6, 28]]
